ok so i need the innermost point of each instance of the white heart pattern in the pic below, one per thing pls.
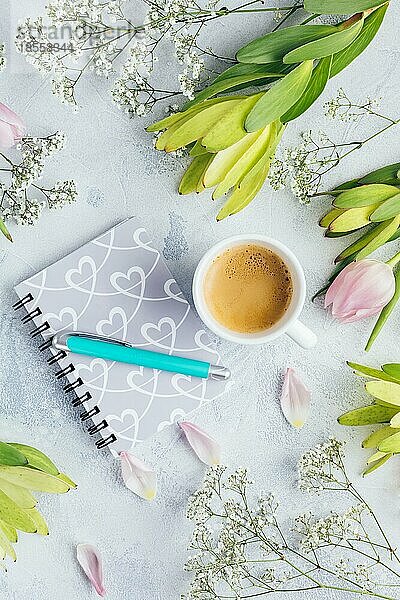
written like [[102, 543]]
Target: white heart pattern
[[116, 323]]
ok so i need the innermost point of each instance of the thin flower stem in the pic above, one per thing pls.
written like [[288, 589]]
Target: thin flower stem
[[394, 260]]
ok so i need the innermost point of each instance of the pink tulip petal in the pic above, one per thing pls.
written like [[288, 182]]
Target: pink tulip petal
[[137, 476], [90, 561], [203, 445], [9, 116], [7, 140], [361, 290], [295, 399]]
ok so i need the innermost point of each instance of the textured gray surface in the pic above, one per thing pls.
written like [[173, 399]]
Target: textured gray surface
[[119, 174]]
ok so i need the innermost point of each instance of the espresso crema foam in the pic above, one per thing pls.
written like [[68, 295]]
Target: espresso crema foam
[[248, 288]]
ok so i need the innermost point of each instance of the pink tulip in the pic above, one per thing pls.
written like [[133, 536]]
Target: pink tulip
[[12, 127], [361, 290], [295, 399], [206, 448]]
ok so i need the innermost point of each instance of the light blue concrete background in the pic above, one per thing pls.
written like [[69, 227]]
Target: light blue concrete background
[[119, 174]]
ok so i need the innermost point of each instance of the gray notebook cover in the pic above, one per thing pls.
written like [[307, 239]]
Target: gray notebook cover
[[118, 285]]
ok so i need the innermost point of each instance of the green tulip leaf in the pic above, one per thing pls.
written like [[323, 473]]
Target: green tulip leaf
[[273, 46], [368, 415], [365, 195], [228, 83], [37, 518], [18, 494], [314, 89], [352, 219], [9, 532], [371, 26], [339, 7], [194, 174], [370, 372], [331, 216], [197, 149], [228, 159], [377, 464], [384, 390], [387, 174], [363, 241], [375, 438], [385, 312], [230, 128], [380, 238], [4, 230], [325, 46], [33, 480], [5, 544], [390, 443], [63, 477], [388, 209], [246, 190], [11, 456], [37, 459], [392, 369], [14, 515], [279, 98]]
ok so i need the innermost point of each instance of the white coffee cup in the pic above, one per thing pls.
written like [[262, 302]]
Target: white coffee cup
[[288, 324]]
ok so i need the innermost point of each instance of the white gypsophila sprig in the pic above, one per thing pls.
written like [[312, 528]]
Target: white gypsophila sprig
[[302, 168], [76, 37], [23, 198], [322, 467]]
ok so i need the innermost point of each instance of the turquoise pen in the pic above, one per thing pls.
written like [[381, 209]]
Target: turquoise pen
[[90, 344]]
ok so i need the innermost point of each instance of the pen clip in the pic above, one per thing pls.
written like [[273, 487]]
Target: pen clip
[[60, 339]]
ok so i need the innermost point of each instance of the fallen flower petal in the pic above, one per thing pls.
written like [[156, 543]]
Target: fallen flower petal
[[137, 476], [361, 290], [295, 399], [90, 561], [203, 445], [12, 128]]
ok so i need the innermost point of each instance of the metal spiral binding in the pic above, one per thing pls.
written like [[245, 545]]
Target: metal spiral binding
[[67, 370]]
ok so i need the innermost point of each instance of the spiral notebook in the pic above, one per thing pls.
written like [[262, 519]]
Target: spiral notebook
[[118, 285]]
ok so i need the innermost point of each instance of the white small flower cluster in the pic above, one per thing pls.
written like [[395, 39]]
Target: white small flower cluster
[[342, 108], [321, 466], [333, 529], [64, 10], [132, 91], [15, 202], [361, 573]]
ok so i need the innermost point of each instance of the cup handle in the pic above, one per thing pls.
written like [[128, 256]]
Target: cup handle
[[300, 334]]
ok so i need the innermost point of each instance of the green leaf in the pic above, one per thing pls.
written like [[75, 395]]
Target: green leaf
[[377, 464], [365, 195], [5, 544], [246, 190], [368, 415], [390, 443], [373, 440], [380, 239], [259, 72], [330, 216], [228, 159], [15, 516], [387, 174], [9, 532], [384, 390], [11, 456], [18, 494], [279, 98], [273, 46], [240, 69], [388, 209], [314, 89], [33, 480], [325, 46], [4, 231], [392, 369], [197, 149], [230, 128], [264, 145], [67, 480], [197, 125], [37, 459], [363, 241], [194, 173], [339, 7], [353, 218], [370, 372], [371, 26], [385, 312], [37, 518]]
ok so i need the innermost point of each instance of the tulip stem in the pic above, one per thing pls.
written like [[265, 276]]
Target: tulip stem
[[394, 260]]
